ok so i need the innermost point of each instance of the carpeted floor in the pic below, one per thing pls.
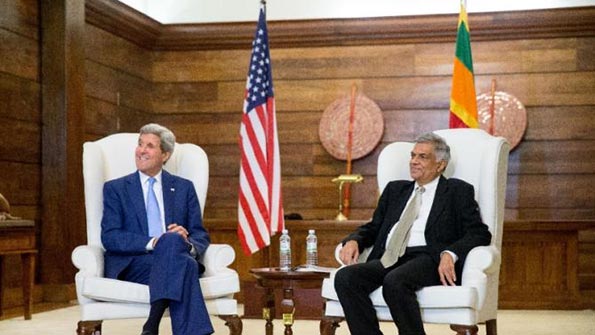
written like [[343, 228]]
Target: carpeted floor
[[510, 322]]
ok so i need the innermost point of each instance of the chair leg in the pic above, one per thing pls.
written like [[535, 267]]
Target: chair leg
[[234, 323], [89, 327], [465, 330], [328, 324], [491, 328]]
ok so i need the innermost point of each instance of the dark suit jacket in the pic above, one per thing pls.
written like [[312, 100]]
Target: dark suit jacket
[[454, 222], [124, 229]]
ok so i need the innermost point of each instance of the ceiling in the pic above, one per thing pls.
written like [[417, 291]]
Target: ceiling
[[208, 11]]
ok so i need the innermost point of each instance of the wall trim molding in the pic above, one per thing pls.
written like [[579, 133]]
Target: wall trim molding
[[123, 21]]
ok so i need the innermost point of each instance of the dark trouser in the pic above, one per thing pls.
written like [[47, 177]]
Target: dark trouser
[[172, 274], [354, 283]]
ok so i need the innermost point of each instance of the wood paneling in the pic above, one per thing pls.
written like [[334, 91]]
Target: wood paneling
[[134, 26], [20, 120], [19, 98], [117, 87], [21, 17], [393, 93], [544, 265], [19, 54], [25, 141], [122, 20], [62, 133], [117, 53]]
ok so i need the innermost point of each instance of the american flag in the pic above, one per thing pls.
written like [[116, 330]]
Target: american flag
[[260, 209]]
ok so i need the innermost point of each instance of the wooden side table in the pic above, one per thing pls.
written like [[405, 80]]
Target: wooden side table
[[17, 237], [272, 278]]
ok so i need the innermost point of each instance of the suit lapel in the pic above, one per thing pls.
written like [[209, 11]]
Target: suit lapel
[[169, 191], [135, 191], [439, 202], [402, 200], [394, 215]]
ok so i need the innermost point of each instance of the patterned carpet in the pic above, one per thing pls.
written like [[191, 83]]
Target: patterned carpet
[[510, 322]]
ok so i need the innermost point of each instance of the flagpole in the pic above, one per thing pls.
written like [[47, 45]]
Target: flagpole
[[347, 191], [266, 253], [491, 129]]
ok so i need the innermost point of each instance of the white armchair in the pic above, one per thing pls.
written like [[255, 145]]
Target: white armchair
[[481, 160], [104, 298]]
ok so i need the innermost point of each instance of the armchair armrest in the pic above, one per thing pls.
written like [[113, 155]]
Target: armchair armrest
[[89, 260], [485, 259], [361, 259], [217, 258], [481, 263]]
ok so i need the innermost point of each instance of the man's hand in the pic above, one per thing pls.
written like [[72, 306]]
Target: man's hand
[[446, 270], [349, 253], [175, 228]]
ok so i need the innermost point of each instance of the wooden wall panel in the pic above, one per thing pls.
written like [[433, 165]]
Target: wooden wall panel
[[20, 121], [20, 55], [21, 17], [24, 139], [118, 85], [419, 92], [542, 266], [19, 98], [553, 123], [117, 53]]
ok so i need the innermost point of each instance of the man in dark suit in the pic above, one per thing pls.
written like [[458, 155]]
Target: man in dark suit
[[152, 232], [445, 227]]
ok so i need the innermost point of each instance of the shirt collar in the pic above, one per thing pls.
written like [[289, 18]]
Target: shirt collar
[[431, 186], [145, 177]]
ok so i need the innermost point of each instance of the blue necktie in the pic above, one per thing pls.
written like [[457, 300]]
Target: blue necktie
[[153, 215]]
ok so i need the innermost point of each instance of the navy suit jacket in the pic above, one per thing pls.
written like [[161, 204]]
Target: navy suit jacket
[[124, 228], [454, 222]]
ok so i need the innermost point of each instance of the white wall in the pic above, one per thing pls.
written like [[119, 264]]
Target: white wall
[[199, 11]]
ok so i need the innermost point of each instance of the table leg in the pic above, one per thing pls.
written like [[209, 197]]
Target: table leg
[[288, 308], [268, 312], [28, 261]]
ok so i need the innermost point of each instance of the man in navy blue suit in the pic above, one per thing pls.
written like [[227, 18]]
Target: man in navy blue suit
[[447, 225], [152, 232]]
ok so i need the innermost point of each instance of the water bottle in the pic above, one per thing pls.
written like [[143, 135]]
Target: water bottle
[[311, 249], [285, 251]]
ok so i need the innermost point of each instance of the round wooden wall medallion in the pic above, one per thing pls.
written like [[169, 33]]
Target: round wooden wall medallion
[[510, 116], [368, 127]]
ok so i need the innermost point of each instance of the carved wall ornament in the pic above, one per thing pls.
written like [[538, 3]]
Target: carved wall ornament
[[502, 114], [368, 127]]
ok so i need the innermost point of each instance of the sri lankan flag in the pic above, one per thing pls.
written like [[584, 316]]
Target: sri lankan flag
[[463, 103]]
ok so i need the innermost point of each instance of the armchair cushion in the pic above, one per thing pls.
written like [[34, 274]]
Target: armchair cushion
[[428, 297], [218, 280]]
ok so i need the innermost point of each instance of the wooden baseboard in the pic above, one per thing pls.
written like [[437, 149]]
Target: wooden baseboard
[[13, 296]]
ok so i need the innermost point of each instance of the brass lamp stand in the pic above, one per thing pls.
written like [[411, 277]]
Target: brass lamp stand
[[341, 179]]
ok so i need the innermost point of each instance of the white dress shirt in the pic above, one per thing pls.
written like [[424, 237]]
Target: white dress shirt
[[417, 235]]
